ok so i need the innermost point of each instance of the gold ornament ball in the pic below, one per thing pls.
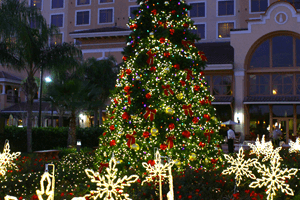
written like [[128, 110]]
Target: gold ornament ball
[[154, 131], [135, 147], [179, 96], [169, 111], [151, 34], [177, 163], [193, 157], [133, 116]]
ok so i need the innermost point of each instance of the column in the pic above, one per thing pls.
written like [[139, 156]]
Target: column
[[239, 111], [3, 88]]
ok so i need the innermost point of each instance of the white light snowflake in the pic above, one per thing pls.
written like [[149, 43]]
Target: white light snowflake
[[158, 169], [6, 159], [294, 146], [274, 178], [239, 166], [108, 186], [264, 148]]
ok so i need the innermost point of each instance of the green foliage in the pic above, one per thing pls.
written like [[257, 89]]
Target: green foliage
[[48, 137]]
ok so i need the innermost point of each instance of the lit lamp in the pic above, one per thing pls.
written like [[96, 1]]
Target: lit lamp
[[238, 115], [78, 145]]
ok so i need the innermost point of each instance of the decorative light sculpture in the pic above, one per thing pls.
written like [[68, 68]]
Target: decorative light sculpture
[[6, 159], [50, 180], [108, 186], [294, 146], [159, 169], [240, 166], [274, 178], [264, 148], [7, 197]]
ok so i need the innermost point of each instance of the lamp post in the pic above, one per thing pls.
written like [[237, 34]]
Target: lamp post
[[48, 80]]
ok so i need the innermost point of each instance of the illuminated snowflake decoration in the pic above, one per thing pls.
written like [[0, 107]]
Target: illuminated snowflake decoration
[[274, 178], [239, 166], [264, 148], [6, 159], [158, 169], [108, 187], [294, 146]]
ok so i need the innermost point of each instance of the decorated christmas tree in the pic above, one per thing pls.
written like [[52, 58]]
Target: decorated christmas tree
[[161, 99]]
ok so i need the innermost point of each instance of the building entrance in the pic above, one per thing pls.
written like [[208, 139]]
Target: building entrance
[[286, 125]]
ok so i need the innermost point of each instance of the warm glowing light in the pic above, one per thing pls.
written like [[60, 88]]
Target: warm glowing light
[[294, 146], [107, 185], [50, 180], [239, 166], [159, 169], [274, 178], [6, 159]]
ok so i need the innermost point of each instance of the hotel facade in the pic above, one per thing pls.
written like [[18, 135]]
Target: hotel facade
[[252, 46]]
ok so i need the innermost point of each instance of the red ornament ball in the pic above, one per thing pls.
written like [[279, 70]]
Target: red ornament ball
[[176, 66], [196, 88], [182, 83], [125, 116], [171, 126], [124, 58], [127, 88], [186, 134], [162, 40], [173, 12], [148, 95], [112, 127], [172, 31], [128, 71], [195, 120], [167, 54], [146, 134], [185, 25], [112, 143], [104, 134], [163, 146], [154, 11], [151, 162], [153, 69]]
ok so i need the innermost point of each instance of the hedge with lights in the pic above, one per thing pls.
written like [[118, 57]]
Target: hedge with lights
[[161, 99]]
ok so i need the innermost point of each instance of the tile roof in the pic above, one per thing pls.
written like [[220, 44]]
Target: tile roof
[[9, 76], [272, 98], [223, 99], [217, 52], [101, 30], [22, 107]]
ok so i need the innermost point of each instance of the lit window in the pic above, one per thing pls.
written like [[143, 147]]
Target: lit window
[[132, 16], [57, 20], [200, 30], [36, 3], [83, 2], [83, 18], [259, 5], [57, 4], [224, 29], [105, 16], [56, 39], [225, 8], [198, 10]]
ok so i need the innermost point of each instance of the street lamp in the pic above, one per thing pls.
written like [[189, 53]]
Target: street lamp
[[49, 80]]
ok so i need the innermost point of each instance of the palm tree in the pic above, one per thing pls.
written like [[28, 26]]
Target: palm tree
[[24, 46], [101, 77], [68, 92]]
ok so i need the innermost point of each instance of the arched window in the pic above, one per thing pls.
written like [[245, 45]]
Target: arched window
[[278, 51]]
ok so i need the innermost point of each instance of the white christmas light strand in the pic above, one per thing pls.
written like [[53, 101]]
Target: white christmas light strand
[[294, 146], [6, 159], [240, 166], [264, 148], [274, 178]]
